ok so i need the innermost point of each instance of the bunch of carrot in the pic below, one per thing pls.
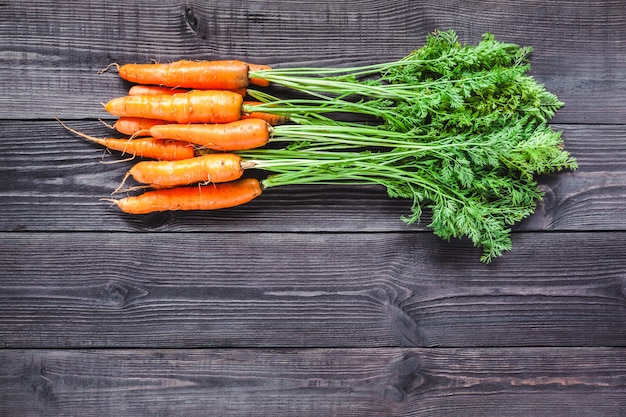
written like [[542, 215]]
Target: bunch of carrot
[[459, 129], [186, 118]]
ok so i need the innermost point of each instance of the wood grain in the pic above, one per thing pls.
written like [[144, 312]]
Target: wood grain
[[52, 52], [323, 382], [309, 301], [293, 290], [52, 180]]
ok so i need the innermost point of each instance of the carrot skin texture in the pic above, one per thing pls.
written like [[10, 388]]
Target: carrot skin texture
[[160, 149], [206, 106], [215, 168], [153, 90], [234, 136], [199, 197], [205, 75], [270, 119], [136, 126]]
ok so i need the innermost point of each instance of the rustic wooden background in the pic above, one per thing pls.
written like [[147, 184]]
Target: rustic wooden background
[[309, 301]]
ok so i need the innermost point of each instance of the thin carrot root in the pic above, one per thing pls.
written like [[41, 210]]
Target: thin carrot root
[[110, 126], [131, 189], [147, 147], [110, 200], [117, 161], [139, 134], [199, 197], [119, 187], [112, 64]]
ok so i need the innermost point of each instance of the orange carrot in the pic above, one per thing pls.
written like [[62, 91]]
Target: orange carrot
[[161, 149], [207, 106], [271, 119], [215, 167], [153, 90], [258, 81], [205, 75], [233, 136], [136, 126], [199, 197]]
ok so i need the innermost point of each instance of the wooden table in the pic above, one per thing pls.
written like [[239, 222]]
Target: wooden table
[[309, 301]]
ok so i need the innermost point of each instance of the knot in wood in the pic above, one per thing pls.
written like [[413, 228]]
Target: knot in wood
[[191, 19], [40, 385], [404, 378], [114, 293]]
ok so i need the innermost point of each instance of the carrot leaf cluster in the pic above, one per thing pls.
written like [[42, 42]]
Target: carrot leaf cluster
[[460, 130]]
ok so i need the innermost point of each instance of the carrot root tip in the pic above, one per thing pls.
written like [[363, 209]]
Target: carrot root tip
[[112, 64], [111, 200], [139, 133], [110, 126], [119, 187], [117, 161]]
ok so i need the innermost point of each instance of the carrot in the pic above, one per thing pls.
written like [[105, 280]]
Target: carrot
[[161, 149], [136, 126], [215, 167], [271, 119], [153, 90], [208, 106], [201, 75], [233, 136], [259, 81], [200, 197], [205, 75]]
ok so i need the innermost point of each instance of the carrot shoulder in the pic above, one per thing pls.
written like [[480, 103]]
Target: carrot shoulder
[[199, 197], [270, 118], [255, 80], [215, 168], [234, 136], [206, 75], [206, 106]]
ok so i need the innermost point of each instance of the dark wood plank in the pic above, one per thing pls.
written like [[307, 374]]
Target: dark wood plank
[[53, 51], [294, 290], [309, 300], [53, 180], [315, 382]]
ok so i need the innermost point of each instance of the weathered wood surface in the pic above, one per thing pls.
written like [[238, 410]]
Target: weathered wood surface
[[309, 300], [320, 382], [53, 180], [179, 290], [56, 49]]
